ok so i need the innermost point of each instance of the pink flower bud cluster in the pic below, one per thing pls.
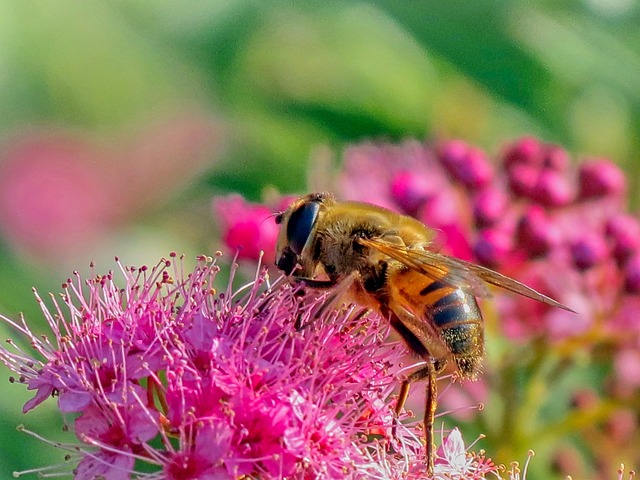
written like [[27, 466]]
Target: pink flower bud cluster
[[167, 376], [558, 226], [529, 214]]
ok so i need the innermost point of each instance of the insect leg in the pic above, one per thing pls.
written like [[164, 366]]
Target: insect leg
[[429, 417], [333, 298], [417, 347], [419, 374], [429, 372], [317, 284]]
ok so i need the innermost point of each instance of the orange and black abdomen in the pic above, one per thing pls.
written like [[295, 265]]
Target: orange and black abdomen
[[451, 314], [458, 318]]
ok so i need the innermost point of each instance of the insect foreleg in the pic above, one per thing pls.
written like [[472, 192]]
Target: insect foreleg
[[317, 284]]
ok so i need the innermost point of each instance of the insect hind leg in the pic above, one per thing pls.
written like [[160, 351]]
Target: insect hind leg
[[419, 374], [429, 372]]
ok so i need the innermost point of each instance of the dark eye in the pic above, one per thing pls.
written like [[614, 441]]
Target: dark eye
[[300, 225]]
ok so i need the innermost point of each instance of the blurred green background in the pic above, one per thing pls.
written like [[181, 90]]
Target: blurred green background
[[120, 120]]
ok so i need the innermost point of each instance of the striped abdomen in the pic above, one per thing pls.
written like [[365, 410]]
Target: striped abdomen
[[443, 311], [456, 315]]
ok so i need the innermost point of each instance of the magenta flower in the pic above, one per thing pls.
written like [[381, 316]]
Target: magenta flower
[[256, 382], [561, 229], [249, 229], [534, 214]]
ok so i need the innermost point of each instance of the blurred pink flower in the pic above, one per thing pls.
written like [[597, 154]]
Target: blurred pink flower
[[61, 191], [527, 217], [561, 230], [248, 228], [52, 192]]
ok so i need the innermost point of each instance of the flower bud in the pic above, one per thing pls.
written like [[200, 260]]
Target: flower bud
[[467, 165], [627, 366], [526, 151], [556, 158], [488, 206], [246, 228], [584, 399], [622, 425], [588, 251], [410, 190], [522, 179], [624, 232], [601, 177], [478, 172], [492, 247], [536, 234], [552, 189], [440, 209], [452, 154], [632, 275]]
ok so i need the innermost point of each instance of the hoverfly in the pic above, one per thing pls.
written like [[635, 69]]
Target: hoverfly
[[429, 298]]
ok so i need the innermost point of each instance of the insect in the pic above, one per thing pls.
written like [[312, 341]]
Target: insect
[[429, 298]]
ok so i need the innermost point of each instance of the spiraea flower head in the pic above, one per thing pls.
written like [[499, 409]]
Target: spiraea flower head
[[168, 378]]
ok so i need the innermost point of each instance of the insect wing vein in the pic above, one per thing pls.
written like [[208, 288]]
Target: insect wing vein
[[436, 266]]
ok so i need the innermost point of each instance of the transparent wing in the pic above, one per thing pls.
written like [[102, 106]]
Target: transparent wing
[[458, 273]]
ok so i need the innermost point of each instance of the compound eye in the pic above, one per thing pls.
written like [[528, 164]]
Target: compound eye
[[300, 224]]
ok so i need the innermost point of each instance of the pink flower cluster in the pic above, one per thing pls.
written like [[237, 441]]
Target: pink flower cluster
[[532, 215], [260, 381], [250, 232]]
